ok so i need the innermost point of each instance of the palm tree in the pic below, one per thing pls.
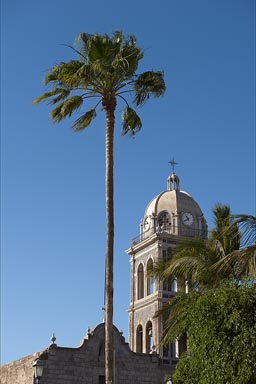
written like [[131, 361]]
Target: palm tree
[[204, 261], [105, 70], [229, 254]]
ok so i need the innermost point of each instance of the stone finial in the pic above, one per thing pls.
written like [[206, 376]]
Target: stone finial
[[53, 339]]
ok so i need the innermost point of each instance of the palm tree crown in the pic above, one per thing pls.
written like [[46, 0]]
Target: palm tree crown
[[105, 69], [228, 235]]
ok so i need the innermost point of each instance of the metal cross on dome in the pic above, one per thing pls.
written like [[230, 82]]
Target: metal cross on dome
[[173, 163]]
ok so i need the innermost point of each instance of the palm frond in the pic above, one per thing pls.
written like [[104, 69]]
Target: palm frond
[[42, 97], [175, 313], [247, 228], [126, 61], [102, 48], [227, 235], [82, 41], [52, 75], [193, 261], [148, 84], [60, 92], [64, 74], [66, 108], [241, 262], [131, 121], [84, 120], [188, 266]]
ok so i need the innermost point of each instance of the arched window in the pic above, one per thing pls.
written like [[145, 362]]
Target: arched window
[[174, 285], [150, 278], [164, 220], [149, 337], [139, 339], [140, 287], [167, 284]]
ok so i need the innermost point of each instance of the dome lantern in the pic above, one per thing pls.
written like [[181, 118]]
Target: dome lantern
[[173, 182]]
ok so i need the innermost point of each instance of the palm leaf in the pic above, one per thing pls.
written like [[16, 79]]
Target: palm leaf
[[242, 262], [61, 92], [82, 41], [175, 313], [66, 108], [52, 75], [84, 120], [42, 97], [193, 261], [148, 84], [64, 74], [247, 228], [127, 60], [227, 235], [131, 121]]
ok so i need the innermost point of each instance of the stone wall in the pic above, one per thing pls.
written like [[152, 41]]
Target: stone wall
[[19, 371], [85, 364]]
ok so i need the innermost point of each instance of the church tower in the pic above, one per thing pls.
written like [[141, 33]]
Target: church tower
[[170, 217]]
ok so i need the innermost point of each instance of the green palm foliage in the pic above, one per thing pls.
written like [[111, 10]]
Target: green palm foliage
[[242, 260], [229, 253], [228, 235], [193, 261], [105, 71]]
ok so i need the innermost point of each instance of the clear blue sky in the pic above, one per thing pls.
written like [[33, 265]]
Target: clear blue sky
[[52, 191]]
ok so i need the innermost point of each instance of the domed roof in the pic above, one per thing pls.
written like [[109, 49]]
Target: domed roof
[[173, 201], [173, 211]]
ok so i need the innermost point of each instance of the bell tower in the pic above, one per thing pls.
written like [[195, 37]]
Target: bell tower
[[169, 217]]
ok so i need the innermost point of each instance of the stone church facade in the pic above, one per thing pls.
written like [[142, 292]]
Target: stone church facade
[[85, 364], [170, 217]]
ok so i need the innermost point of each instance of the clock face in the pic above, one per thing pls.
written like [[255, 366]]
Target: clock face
[[187, 218], [147, 223]]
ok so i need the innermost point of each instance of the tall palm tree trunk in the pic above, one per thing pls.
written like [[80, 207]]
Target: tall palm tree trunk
[[109, 291], [106, 69]]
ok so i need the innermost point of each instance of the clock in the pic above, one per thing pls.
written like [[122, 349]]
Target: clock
[[187, 218], [147, 223]]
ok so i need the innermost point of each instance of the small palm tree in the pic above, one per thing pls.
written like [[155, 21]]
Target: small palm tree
[[105, 71], [205, 261]]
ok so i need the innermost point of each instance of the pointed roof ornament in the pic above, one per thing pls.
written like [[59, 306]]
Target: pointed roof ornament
[[173, 182], [53, 339], [173, 163], [53, 345]]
